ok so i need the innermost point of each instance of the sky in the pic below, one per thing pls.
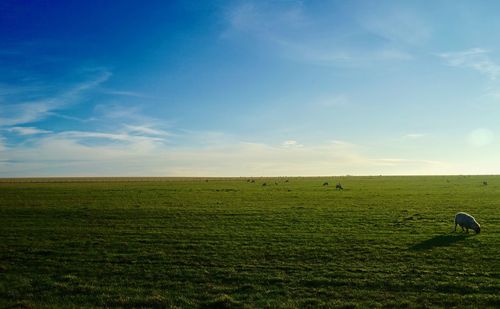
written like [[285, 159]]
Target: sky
[[249, 88]]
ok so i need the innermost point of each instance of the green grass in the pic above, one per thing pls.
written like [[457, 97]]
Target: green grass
[[383, 241]]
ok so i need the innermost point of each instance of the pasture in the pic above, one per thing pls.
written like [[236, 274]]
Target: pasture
[[162, 242]]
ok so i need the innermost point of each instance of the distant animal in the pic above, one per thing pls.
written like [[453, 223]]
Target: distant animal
[[466, 221], [286, 180], [325, 184], [252, 181], [339, 186], [264, 184], [485, 183]]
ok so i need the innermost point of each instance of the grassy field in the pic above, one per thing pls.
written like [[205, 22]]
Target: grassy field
[[383, 241]]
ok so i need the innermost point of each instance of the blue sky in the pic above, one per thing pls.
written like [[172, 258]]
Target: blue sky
[[249, 88]]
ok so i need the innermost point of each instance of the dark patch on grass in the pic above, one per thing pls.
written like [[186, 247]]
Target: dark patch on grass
[[439, 241], [223, 301], [21, 305], [245, 288], [404, 218], [154, 301]]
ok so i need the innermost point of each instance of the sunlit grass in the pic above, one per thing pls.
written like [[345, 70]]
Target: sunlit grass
[[383, 241]]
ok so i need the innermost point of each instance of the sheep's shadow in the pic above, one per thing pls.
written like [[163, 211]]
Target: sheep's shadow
[[440, 241]]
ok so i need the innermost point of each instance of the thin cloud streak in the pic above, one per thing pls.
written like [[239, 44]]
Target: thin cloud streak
[[2, 146], [126, 93], [413, 136], [396, 161], [29, 112], [291, 143], [476, 59], [397, 24], [123, 137], [26, 112], [27, 130], [287, 30], [147, 130]]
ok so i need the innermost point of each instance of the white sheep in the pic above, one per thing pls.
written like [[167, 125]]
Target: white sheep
[[466, 221]]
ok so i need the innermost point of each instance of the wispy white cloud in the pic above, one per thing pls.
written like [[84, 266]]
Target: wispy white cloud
[[266, 20], [397, 24], [343, 144], [149, 130], [10, 90], [118, 111], [291, 143], [125, 93], [27, 130], [392, 54], [205, 139], [334, 101], [26, 112], [477, 59], [64, 116], [413, 136], [123, 137], [2, 146], [288, 30], [15, 113], [121, 154], [399, 162], [100, 75], [132, 118]]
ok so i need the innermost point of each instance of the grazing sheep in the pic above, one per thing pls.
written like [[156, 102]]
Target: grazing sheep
[[466, 221], [339, 187]]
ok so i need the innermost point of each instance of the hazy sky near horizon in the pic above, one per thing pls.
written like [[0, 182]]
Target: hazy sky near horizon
[[249, 88]]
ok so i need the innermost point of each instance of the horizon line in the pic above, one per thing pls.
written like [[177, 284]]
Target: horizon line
[[4, 179]]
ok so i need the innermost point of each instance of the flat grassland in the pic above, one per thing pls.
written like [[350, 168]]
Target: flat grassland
[[294, 242]]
